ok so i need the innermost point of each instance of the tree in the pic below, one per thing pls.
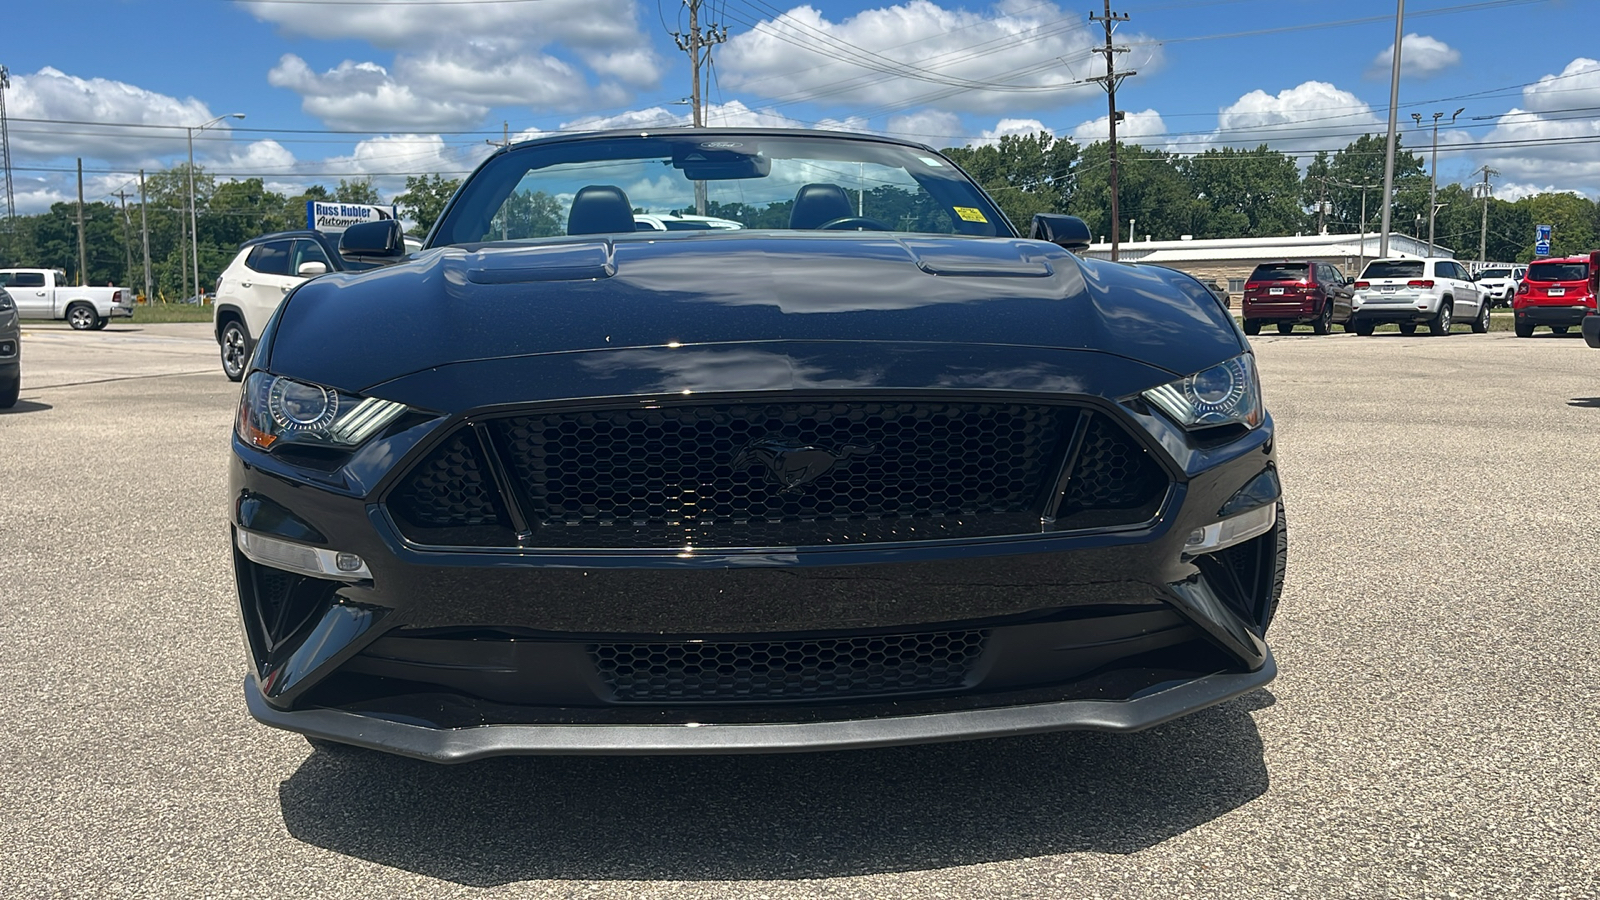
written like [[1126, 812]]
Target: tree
[[360, 190], [1245, 193], [1025, 173], [425, 198], [1361, 162], [527, 214], [1151, 190]]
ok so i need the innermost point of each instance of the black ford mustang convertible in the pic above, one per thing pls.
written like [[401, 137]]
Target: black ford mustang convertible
[[854, 464]]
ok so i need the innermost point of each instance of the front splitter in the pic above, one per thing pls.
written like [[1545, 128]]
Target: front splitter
[[458, 745]]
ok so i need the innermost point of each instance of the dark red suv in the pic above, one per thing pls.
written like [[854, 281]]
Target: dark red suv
[[1296, 293], [1555, 292]]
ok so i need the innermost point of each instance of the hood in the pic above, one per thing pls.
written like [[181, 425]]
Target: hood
[[455, 304]]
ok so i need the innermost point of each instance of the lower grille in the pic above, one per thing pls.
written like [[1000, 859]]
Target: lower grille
[[754, 671]]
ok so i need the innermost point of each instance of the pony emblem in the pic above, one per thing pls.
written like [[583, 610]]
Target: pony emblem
[[793, 464]]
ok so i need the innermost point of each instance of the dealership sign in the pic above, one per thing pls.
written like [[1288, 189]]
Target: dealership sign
[[334, 218]]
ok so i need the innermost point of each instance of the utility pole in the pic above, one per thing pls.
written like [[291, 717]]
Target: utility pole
[[127, 245], [83, 257], [1433, 184], [5, 160], [1483, 230], [1394, 106], [1109, 81], [144, 231], [698, 45], [1322, 208]]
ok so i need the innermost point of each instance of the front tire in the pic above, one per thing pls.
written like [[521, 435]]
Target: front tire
[[82, 317], [235, 348], [1440, 325], [1286, 328], [10, 390], [1480, 325], [1558, 329], [1252, 327], [1363, 329], [1408, 328], [1524, 329]]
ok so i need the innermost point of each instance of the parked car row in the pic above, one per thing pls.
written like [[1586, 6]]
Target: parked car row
[[1437, 293]]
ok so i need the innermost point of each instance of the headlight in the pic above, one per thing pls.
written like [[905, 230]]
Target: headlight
[[5, 301], [274, 410], [1225, 394]]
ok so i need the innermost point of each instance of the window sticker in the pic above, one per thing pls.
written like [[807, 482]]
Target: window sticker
[[968, 214], [930, 161]]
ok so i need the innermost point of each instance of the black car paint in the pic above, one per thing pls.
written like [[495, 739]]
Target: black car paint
[[460, 333]]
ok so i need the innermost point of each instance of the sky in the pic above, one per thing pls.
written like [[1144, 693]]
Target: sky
[[350, 89]]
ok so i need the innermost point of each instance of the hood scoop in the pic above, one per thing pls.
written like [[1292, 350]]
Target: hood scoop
[[563, 262], [981, 259]]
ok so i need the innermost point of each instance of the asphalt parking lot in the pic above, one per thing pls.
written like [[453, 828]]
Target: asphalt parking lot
[[1433, 731]]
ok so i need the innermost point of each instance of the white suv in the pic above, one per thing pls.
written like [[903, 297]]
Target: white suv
[[1412, 292], [1500, 282], [257, 280]]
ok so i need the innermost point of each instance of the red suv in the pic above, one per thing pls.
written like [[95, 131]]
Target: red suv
[[1296, 293], [1555, 292]]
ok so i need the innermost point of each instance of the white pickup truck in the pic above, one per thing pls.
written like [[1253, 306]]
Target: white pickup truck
[[45, 294]]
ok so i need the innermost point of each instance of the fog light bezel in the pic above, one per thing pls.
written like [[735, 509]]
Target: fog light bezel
[[1232, 531]]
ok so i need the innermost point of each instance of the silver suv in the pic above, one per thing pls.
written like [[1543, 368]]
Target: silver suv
[[1412, 292]]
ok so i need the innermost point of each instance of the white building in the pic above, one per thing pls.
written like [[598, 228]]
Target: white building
[[1229, 261]]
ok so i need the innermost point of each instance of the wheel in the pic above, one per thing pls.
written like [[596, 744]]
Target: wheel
[[1440, 324], [82, 317], [1408, 328], [235, 348], [1324, 322], [1252, 326], [101, 325], [1558, 329], [1480, 325], [9, 390], [1280, 565], [1285, 327], [1524, 329], [1364, 329]]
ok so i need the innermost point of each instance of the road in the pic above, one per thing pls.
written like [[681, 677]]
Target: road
[[1432, 732]]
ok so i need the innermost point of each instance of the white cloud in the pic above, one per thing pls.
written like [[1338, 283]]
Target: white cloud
[[935, 127], [1310, 115], [1420, 57], [1135, 128], [964, 57], [52, 94], [488, 54], [365, 95], [1550, 139]]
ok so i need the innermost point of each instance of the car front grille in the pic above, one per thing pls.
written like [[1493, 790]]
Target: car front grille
[[776, 474], [755, 671]]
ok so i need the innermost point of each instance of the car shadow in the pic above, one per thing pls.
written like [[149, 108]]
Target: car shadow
[[25, 406], [780, 816], [1585, 402]]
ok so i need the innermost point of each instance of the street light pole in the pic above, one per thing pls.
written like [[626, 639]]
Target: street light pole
[[1433, 184], [194, 239], [1394, 103]]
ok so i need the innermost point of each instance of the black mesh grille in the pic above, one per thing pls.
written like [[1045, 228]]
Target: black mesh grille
[[1114, 481], [787, 670], [795, 473], [447, 497], [779, 474]]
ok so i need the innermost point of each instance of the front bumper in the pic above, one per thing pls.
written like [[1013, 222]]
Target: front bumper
[[453, 652], [1553, 315], [460, 745]]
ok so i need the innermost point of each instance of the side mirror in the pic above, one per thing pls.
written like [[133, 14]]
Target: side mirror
[[382, 241], [1067, 232], [314, 267]]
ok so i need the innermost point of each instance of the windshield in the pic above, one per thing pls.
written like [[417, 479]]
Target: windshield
[[1558, 272], [1393, 268], [737, 181], [1279, 272], [1495, 273]]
